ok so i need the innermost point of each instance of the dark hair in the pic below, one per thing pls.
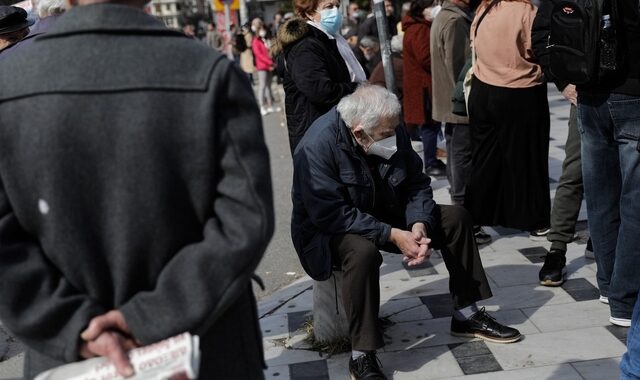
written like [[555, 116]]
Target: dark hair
[[417, 6], [305, 7]]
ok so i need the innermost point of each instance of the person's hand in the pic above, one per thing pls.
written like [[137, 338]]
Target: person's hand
[[571, 94], [414, 246], [419, 232], [109, 335], [112, 320], [114, 346]]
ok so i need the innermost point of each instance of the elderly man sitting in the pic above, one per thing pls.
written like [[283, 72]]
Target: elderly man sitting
[[359, 187]]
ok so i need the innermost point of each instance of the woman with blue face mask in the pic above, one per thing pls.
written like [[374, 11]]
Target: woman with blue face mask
[[316, 64]]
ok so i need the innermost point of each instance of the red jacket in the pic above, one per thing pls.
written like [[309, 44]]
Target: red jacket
[[416, 54], [261, 55]]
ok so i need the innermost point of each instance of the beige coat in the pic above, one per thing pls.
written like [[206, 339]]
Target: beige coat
[[246, 57], [449, 49]]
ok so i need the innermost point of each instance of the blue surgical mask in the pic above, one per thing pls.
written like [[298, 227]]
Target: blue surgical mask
[[331, 20]]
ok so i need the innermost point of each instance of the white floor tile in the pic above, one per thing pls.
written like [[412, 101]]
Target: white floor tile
[[599, 369], [559, 347], [569, 316]]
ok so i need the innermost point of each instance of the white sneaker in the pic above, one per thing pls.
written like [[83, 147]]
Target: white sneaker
[[274, 109], [263, 111], [622, 322], [604, 299]]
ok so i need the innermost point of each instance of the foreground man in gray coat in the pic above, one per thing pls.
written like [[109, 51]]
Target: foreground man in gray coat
[[135, 194]]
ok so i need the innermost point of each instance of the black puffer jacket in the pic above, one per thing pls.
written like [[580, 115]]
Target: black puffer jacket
[[315, 77]]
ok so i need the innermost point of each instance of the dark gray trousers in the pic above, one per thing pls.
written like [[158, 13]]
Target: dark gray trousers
[[360, 262], [459, 152], [566, 205]]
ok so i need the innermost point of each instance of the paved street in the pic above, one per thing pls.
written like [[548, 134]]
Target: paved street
[[567, 334]]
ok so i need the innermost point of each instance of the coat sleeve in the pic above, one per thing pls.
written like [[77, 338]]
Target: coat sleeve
[[324, 197], [38, 306], [261, 54], [539, 37], [203, 279], [307, 64], [417, 187], [421, 48], [457, 47]]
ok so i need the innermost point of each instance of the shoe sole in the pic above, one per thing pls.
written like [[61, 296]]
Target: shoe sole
[[620, 322], [604, 299], [555, 283], [487, 338]]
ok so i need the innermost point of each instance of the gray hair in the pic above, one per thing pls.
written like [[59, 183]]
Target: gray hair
[[46, 8], [396, 43], [368, 105], [369, 42]]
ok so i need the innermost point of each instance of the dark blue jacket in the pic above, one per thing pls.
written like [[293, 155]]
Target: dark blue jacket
[[333, 192]]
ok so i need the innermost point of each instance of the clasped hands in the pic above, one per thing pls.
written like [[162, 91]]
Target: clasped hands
[[108, 335], [413, 244]]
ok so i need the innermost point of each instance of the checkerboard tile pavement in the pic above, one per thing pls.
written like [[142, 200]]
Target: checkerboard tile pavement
[[566, 330]]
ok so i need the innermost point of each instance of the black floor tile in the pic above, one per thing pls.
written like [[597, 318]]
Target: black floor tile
[[464, 350], [424, 269], [474, 357], [534, 254], [316, 370], [581, 290], [479, 364], [297, 319], [439, 305], [619, 332]]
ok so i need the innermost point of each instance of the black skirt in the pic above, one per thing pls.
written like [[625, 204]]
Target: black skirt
[[509, 184]]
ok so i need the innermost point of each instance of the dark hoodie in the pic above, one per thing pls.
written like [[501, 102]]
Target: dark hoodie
[[315, 77]]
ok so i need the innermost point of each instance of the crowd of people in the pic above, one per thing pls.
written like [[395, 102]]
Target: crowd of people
[[146, 214]]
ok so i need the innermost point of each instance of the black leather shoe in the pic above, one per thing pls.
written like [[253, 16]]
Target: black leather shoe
[[439, 169], [482, 325], [366, 367], [553, 270]]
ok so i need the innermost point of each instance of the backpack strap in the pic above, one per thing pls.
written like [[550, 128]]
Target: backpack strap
[[491, 5]]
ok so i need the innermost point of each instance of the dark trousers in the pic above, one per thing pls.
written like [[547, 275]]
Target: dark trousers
[[360, 262], [429, 136], [459, 152], [566, 205]]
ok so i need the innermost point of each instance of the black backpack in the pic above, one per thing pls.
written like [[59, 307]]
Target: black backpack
[[575, 40]]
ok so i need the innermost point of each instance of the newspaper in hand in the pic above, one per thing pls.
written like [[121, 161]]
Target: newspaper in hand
[[176, 358]]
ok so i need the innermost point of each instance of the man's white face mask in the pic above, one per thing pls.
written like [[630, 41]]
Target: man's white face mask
[[384, 148]]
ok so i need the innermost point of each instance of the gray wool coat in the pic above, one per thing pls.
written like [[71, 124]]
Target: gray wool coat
[[449, 49], [133, 175]]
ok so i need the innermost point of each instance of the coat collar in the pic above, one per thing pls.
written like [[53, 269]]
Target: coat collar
[[449, 6], [107, 18], [344, 139]]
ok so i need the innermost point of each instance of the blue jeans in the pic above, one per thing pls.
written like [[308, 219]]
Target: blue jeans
[[610, 129], [630, 365]]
